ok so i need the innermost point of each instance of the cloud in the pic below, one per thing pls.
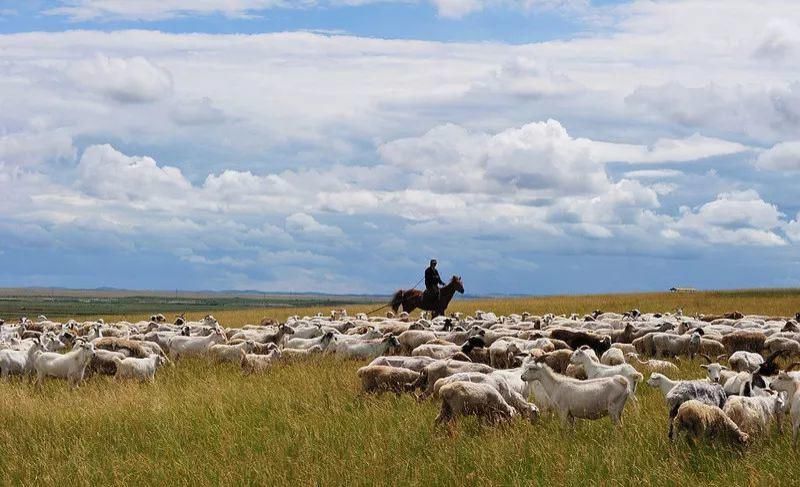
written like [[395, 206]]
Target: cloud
[[33, 148], [125, 80], [736, 218], [197, 112], [107, 173], [653, 174], [781, 157], [307, 225]]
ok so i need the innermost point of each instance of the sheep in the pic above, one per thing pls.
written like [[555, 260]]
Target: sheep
[[230, 353], [589, 399], [379, 378], [742, 361], [682, 391], [253, 364], [180, 346], [443, 368], [716, 372], [652, 365], [711, 347], [413, 363], [577, 339], [293, 353], [500, 383], [323, 341], [367, 349], [596, 370], [411, 339], [131, 347], [70, 366], [791, 386], [754, 415], [612, 356], [103, 363], [18, 362], [482, 400], [279, 336], [699, 419], [558, 360], [745, 340], [667, 345], [440, 351], [143, 369], [662, 382], [781, 344]]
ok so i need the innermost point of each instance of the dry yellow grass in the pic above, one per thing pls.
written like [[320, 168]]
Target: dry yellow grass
[[306, 423]]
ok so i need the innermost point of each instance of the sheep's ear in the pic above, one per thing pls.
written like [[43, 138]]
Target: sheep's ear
[[724, 367]]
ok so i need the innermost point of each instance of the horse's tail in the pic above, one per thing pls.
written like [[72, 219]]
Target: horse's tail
[[397, 300]]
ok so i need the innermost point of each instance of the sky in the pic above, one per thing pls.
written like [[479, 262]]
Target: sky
[[531, 146]]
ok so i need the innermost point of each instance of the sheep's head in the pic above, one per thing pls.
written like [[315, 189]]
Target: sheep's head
[[476, 341], [287, 329], [656, 379], [580, 356], [533, 371], [713, 369], [391, 340]]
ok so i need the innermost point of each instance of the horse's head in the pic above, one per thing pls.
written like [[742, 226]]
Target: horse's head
[[457, 284]]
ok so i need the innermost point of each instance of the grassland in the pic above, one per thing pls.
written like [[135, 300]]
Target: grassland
[[306, 423]]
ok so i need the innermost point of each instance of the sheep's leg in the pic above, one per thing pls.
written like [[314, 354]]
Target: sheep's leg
[[673, 412], [445, 414], [795, 429]]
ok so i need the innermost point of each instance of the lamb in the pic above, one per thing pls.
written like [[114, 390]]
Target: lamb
[[180, 346], [70, 366], [294, 353], [230, 353], [682, 391], [612, 356], [742, 361], [701, 419], [254, 364], [482, 400], [745, 340], [754, 415], [652, 365], [143, 369], [596, 370], [379, 378], [500, 383], [791, 386], [413, 363], [589, 399], [577, 339]]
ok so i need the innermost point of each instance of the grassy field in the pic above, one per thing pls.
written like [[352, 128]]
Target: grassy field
[[306, 423]]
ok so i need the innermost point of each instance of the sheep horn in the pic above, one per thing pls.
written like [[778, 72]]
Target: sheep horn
[[704, 356], [722, 357]]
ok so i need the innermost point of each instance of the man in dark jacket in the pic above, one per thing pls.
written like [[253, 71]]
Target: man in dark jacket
[[432, 282]]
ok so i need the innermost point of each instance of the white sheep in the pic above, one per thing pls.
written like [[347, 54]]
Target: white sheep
[[367, 349], [19, 362], [194, 346], [791, 386], [511, 396], [230, 353], [253, 363], [595, 370], [70, 366], [143, 369], [573, 398], [754, 415], [742, 361], [482, 400], [612, 356]]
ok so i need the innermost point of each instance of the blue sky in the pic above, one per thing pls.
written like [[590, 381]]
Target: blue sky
[[532, 146]]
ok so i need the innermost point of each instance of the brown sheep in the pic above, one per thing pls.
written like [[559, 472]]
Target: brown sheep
[[744, 340], [703, 420], [381, 378], [576, 339], [134, 349], [557, 360], [711, 347]]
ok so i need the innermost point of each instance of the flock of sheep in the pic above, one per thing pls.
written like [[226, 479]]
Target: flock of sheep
[[579, 367]]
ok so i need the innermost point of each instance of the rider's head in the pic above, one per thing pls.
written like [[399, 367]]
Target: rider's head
[[433, 262]]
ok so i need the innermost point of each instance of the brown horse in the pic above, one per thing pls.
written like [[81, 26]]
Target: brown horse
[[413, 298]]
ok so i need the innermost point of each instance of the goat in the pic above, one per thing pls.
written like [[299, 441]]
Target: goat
[[652, 365], [509, 394], [791, 386], [70, 366], [589, 399], [754, 415], [143, 369], [596, 370], [379, 378]]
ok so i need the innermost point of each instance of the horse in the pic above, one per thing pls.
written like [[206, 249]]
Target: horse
[[412, 299]]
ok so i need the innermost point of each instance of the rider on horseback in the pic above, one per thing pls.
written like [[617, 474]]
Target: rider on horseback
[[432, 282]]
